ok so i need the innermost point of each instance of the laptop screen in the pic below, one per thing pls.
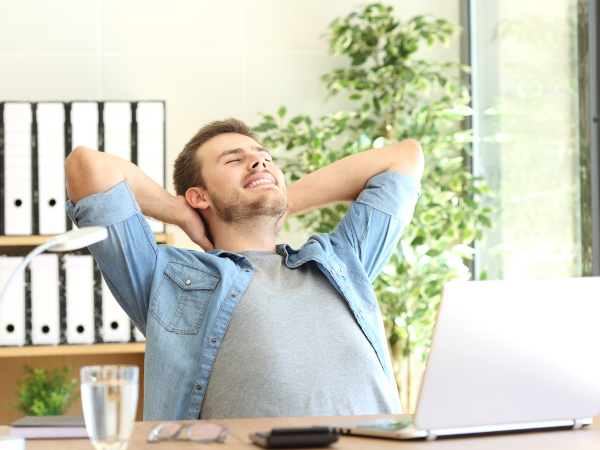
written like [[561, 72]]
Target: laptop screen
[[506, 352]]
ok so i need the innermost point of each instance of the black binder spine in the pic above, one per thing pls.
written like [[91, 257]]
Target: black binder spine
[[131, 332], [62, 299], [28, 322], [68, 148], [98, 335], [134, 146], [100, 126], [35, 170]]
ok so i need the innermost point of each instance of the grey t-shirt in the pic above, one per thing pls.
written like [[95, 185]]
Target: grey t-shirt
[[293, 348]]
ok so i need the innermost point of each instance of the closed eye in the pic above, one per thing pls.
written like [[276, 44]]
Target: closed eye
[[231, 160]]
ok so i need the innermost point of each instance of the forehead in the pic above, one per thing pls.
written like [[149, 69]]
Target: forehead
[[211, 149]]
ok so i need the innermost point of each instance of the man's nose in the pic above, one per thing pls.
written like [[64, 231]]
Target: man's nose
[[258, 162]]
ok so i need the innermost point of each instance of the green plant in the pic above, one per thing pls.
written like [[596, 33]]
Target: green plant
[[398, 96], [46, 392]]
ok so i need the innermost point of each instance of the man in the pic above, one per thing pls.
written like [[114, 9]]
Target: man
[[250, 328]]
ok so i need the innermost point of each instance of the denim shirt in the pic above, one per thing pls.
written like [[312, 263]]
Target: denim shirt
[[182, 300]]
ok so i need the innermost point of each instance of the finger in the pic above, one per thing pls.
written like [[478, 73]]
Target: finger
[[205, 244]]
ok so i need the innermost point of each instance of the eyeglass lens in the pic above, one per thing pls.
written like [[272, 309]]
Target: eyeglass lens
[[207, 432], [167, 430], [199, 432]]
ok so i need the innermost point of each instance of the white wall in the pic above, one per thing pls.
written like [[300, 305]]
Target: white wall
[[208, 59]]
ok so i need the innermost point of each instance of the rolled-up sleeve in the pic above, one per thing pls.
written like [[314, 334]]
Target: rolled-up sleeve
[[392, 193], [127, 258], [104, 209], [377, 219]]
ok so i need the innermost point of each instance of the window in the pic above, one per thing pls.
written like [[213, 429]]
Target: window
[[529, 144]]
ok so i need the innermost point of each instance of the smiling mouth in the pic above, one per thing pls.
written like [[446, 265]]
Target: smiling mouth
[[260, 181]]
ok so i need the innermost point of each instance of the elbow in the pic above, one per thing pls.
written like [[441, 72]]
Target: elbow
[[75, 163], [413, 148], [79, 171], [409, 159], [90, 172]]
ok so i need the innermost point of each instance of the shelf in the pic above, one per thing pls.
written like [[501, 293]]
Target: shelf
[[72, 350], [32, 241]]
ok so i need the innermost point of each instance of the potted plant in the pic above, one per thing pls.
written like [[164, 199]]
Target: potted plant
[[397, 96], [46, 392]]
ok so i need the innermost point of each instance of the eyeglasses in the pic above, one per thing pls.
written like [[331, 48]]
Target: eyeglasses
[[196, 432]]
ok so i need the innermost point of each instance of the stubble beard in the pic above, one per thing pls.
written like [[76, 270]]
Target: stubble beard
[[273, 206]]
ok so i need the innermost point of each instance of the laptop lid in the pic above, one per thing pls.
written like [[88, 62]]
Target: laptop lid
[[510, 352], [506, 355]]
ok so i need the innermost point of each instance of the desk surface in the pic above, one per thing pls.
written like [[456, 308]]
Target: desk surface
[[588, 438]]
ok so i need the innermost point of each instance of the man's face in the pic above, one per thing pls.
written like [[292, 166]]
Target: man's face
[[241, 180]]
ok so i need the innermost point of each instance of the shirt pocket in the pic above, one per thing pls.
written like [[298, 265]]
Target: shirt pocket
[[180, 302]]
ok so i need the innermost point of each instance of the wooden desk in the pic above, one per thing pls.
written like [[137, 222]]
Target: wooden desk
[[588, 438]]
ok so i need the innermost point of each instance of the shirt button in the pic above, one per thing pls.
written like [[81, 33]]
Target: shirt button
[[198, 387], [332, 272], [213, 340], [188, 282], [358, 316], [234, 295], [246, 270]]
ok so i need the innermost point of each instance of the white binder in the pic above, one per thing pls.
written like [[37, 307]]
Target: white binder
[[12, 314], [45, 314], [115, 323], [117, 129], [51, 175], [79, 286], [150, 118], [84, 124], [17, 169]]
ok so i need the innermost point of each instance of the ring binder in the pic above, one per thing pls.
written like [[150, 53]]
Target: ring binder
[[12, 320], [18, 195], [50, 119]]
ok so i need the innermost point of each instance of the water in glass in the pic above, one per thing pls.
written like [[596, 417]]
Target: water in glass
[[109, 408]]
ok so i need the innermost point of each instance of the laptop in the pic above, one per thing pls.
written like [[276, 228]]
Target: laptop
[[505, 356]]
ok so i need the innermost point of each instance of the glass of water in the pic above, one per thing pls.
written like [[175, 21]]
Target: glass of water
[[109, 396]]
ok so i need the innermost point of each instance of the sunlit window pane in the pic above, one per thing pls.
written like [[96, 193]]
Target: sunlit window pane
[[524, 58]]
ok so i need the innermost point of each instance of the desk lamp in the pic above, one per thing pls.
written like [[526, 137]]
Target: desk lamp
[[71, 240]]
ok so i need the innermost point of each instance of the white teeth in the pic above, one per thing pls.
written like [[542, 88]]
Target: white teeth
[[257, 182]]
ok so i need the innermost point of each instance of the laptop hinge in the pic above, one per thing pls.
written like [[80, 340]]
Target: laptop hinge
[[578, 424], [431, 436]]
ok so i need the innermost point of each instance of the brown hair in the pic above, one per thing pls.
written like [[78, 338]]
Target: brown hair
[[187, 170]]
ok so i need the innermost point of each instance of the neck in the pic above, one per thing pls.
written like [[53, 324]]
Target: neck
[[258, 234]]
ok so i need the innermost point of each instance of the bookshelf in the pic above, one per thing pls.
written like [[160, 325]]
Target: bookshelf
[[12, 359], [24, 244]]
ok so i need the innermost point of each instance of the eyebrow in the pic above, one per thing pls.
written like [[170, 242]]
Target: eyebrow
[[236, 151]]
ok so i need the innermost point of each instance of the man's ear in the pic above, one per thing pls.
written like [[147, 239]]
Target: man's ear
[[197, 197]]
